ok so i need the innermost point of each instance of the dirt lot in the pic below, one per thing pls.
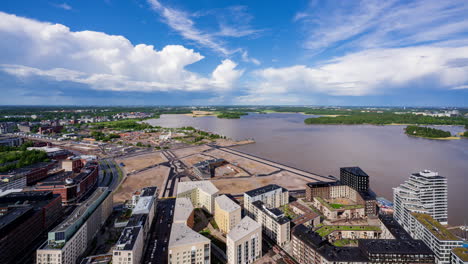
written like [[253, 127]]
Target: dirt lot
[[250, 166], [142, 161], [151, 177], [192, 159], [190, 151], [229, 142], [241, 185]]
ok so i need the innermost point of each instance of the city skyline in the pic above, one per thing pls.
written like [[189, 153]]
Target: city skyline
[[404, 53]]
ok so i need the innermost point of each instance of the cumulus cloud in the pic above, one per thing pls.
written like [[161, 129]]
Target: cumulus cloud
[[102, 61], [369, 72]]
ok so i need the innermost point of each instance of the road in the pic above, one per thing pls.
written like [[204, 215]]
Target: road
[[158, 241]]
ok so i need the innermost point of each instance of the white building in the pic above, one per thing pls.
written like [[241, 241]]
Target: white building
[[129, 247], [183, 212], [459, 256], [187, 246], [201, 193], [424, 192], [274, 224], [68, 241], [440, 240], [244, 242], [271, 195]]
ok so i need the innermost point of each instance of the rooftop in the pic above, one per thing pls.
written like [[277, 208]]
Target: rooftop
[[205, 186], [461, 252], [325, 249], [143, 205], [137, 220], [394, 246], [276, 214], [182, 210], [434, 227], [81, 210], [149, 191], [264, 189], [226, 204], [246, 226], [321, 184], [12, 215], [128, 237], [182, 235], [395, 228], [355, 171]]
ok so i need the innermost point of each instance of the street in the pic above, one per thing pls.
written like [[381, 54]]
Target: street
[[158, 241]]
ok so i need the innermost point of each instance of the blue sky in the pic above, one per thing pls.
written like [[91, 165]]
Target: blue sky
[[153, 52]]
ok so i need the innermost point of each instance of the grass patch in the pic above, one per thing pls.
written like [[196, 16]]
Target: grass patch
[[345, 242], [338, 206], [326, 230]]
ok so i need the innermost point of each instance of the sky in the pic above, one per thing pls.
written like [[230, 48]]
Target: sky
[[224, 52]]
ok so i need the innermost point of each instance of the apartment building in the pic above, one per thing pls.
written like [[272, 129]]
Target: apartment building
[[183, 212], [459, 256], [68, 241], [129, 247], [227, 213], [202, 194], [187, 246], [308, 247], [424, 192], [355, 178], [270, 195], [275, 225], [440, 240], [244, 242]]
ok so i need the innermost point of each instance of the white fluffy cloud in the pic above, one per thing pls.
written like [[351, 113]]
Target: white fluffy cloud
[[369, 72], [102, 61]]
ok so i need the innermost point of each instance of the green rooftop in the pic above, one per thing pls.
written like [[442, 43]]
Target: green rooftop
[[461, 253], [326, 230], [335, 206], [434, 227]]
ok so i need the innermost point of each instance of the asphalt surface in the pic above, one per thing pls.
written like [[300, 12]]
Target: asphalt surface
[[156, 251]]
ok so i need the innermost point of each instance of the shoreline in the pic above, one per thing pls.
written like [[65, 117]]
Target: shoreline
[[447, 138]]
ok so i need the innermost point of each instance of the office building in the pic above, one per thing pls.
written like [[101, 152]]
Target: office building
[[355, 178], [271, 196], [440, 240], [244, 242], [275, 225], [227, 213], [201, 193], [72, 186], [459, 255], [68, 241], [24, 218], [187, 246], [424, 192]]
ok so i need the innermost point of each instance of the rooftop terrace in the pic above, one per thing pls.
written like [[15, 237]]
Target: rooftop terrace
[[462, 253], [434, 227]]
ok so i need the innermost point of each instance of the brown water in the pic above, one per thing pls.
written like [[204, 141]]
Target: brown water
[[384, 152]]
